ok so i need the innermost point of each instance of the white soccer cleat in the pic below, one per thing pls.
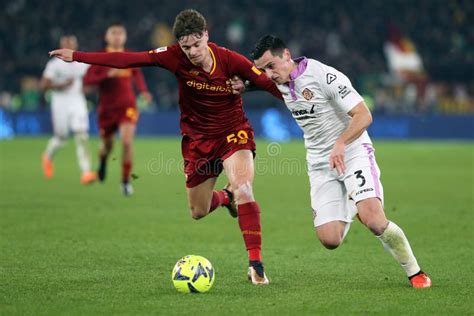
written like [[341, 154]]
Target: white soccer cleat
[[127, 189], [256, 274]]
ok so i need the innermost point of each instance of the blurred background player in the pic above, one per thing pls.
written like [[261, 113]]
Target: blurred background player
[[216, 133], [68, 109], [343, 173], [117, 108]]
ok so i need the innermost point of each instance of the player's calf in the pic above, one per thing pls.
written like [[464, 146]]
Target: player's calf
[[199, 210], [197, 214], [371, 214]]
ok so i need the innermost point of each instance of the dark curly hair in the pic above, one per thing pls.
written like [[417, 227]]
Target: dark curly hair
[[189, 22]]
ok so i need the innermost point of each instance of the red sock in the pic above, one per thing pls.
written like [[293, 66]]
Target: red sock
[[249, 222], [219, 198], [126, 168]]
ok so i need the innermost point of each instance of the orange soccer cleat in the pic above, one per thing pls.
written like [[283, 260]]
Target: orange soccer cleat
[[420, 280], [88, 177], [48, 168]]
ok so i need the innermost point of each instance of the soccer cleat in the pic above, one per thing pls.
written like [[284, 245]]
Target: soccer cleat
[[256, 273], [420, 280], [88, 177], [48, 168], [127, 189], [232, 206], [101, 171]]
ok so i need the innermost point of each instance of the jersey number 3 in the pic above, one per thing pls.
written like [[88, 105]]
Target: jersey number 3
[[359, 175]]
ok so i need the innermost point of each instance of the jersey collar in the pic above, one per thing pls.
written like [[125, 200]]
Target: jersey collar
[[298, 71], [213, 60], [213, 56]]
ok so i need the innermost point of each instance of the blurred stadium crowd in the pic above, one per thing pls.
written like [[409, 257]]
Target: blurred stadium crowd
[[349, 35]]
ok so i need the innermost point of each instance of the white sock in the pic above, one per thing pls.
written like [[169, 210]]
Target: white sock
[[82, 152], [54, 144], [394, 240]]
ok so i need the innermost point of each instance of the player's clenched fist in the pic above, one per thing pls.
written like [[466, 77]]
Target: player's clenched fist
[[64, 54]]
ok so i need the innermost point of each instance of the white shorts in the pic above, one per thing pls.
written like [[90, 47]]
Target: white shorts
[[334, 198], [69, 117]]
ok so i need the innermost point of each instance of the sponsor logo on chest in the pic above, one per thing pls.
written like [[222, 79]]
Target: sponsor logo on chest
[[209, 86]]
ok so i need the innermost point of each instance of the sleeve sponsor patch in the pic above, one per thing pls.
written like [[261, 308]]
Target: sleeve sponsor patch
[[343, 91], [256, 71], [159, 50]]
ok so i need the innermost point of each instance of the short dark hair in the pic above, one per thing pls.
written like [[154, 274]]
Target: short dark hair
[[189, 22], [268, 42], [116, 23]]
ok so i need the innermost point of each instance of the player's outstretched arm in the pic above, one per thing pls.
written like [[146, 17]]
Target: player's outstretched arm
[[242, 67], [115, 60], [63, 54]]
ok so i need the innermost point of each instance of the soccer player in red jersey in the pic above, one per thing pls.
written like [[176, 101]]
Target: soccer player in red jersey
[[117, 104], [216, 132]]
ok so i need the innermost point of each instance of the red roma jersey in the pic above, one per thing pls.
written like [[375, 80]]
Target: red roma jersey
[[115, 92], [208, 107]]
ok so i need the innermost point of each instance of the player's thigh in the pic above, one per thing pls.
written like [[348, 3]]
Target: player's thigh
[[239, 167], [127, 132], [363, 184], [362, 178], [199, 196], [200, 161], [107, 138], [79, 119], [60, 121], [329, 199]]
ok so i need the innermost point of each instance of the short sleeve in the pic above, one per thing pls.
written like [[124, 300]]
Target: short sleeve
[[338, 88]]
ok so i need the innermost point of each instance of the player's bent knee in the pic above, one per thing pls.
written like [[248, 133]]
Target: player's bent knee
[[61, 139], [331, 242], [197, 212], [127, 145], [197, 216], [244, 193], [81, 136]]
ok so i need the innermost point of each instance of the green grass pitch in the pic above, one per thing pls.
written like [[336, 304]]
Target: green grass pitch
[[75, 250]]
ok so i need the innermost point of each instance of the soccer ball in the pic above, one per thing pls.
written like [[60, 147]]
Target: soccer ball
[[193, 274]]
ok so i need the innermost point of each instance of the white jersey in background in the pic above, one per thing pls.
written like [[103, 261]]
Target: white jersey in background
[[319, 98], [69, 113], [68, 106]]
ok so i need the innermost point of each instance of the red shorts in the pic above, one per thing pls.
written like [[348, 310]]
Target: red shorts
[[110, 120], [203, 157]]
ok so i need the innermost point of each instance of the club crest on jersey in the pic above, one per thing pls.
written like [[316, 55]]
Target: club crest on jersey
[[308, 94], [194, 72]]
